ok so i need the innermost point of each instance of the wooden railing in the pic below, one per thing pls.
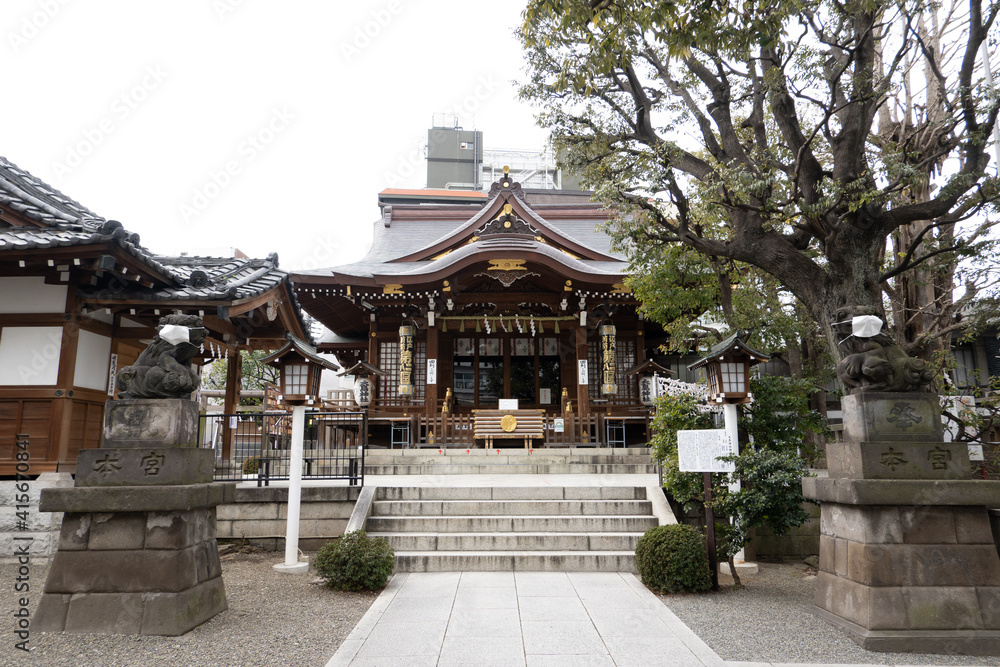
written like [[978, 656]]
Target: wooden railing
[[576, 431], [443, 430]]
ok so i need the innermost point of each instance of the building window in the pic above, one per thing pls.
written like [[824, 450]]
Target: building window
[[624, 360], [965, 367], [388, 384]]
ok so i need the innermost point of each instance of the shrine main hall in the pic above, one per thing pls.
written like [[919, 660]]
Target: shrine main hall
[[472, 301]]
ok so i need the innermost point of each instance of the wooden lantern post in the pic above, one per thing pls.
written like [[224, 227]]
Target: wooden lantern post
[[727, 368]]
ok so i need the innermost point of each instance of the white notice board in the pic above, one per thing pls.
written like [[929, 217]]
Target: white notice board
[[698, 451]]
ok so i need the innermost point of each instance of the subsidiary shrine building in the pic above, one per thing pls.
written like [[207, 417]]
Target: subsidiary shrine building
[[467, 300]]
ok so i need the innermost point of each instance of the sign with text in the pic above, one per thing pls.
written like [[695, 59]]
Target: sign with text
[[698, 451], [432, 371], [112, 374], [976, 453], [559, 425], [584, 373], [507, 404]]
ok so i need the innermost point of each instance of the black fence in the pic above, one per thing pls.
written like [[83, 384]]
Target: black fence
[[260, 445]]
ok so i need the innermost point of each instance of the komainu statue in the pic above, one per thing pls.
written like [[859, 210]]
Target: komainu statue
[[163, 370], [871, 360]]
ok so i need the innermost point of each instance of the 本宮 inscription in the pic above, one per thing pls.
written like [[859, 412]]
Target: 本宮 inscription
[[151, 464], [107, 465], [892, 458], [939, 458]]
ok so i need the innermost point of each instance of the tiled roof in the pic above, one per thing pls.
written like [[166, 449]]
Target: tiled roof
[[63, 222], [405, 236]]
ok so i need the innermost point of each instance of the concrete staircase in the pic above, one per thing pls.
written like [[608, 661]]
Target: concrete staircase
[[470, 461], [551, 528]]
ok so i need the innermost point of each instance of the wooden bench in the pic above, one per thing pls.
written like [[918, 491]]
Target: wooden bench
[[490, 425]]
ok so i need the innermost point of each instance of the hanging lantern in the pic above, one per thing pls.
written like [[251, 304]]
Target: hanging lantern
[[406, 360], [647, 389], [363, 392], [608, 386]]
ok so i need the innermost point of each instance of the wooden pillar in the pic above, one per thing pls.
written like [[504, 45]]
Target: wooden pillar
[[234, 377], [373, 360], [431, 390], [62, 404], [582, 390]]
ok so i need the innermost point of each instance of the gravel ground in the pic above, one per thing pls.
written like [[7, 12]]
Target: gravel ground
[[768, 620], [273, 619]]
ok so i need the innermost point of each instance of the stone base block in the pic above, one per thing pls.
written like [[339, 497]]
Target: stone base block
[[159, 422], [898, 460], [915, 492], [946, 642], [150, 466], [892, 416], [137, 498], [151, 613]]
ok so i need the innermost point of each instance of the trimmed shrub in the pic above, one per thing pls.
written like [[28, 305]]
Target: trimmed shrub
[[673, 558], [251, 465], [355, 562]]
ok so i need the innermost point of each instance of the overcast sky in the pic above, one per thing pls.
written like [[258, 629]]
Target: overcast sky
[[264, 125]]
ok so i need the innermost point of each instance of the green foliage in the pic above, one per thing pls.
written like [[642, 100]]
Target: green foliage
[[251, 465], [779, 418], [770, 473], [673, 558], [355, 562], [771, 495], [795, 141], [255, 374], [677, 412]]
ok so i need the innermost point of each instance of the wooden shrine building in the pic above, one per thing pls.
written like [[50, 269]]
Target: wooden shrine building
[[467, 300], [80, 298]]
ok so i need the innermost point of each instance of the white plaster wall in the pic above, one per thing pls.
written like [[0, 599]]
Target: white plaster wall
[[30, 355], [30, 294], [93, 354]]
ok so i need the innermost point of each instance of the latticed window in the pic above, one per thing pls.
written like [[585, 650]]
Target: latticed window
[[624, 360], [388, 384], [296, 379]]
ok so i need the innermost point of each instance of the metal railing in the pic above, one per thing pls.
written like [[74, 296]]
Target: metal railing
[[257, 446]]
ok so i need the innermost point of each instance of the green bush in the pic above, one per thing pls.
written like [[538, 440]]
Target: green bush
[[355, 562], [673, 558], [251, 465]]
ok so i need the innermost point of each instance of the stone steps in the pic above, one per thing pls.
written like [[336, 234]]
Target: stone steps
[[497, 524], [517, 561], [512, 469], [512, 541], [437, 529], [508, 507], [458, 461]]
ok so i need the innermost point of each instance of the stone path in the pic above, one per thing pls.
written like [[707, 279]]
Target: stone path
[[521, 618]]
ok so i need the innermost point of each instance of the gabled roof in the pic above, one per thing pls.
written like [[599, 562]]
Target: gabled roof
[[303, 349], [408, 240], [38, 221], [730, 344]]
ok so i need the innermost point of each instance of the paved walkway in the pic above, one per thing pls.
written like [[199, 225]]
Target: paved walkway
[[520, 618]]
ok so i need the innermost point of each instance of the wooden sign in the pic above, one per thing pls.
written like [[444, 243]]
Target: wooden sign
[[698, 451]]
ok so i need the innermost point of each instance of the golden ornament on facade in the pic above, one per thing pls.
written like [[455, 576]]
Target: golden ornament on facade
[[508, 423]]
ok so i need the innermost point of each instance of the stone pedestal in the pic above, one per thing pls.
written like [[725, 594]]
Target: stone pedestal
[[908, 561], [137, 550]]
